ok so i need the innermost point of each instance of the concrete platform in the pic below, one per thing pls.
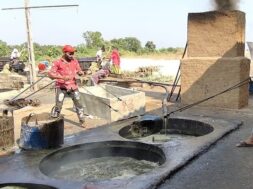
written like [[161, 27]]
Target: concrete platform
[[24, 165], [224, 165], [208, 172]]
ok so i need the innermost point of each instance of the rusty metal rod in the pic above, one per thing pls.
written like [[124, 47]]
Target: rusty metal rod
[[27, 88], [177, 75], [39, 89]]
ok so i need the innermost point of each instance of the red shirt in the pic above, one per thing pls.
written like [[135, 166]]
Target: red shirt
[[115, 57], [63, 68]]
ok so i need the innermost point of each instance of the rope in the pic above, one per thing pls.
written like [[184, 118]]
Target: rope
[[244, 82]]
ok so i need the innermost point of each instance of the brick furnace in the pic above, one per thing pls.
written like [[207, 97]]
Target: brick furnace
[[215, 59]]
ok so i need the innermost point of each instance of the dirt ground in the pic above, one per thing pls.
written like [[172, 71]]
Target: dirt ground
[[154, 96]]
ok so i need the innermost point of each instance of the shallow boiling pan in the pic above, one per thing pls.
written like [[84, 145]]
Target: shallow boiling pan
[[136, 150]]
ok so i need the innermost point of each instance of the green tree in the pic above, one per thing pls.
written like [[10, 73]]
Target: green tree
[[83, 51], [23, 51], [53, 51], [43, 52], [132, 44], [4, 49], [120, 43], [150, 46], [93, 39], [38, 50]]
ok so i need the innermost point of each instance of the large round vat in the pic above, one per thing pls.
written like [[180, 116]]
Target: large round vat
[[187, 127], [145, 126], [25, 186], [102, 161], [174, 126]]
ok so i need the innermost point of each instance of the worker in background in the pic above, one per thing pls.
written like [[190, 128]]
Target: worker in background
[[15, 54], [115, 61], [43, 67], [65, 71], [99, 55], [102, 73]]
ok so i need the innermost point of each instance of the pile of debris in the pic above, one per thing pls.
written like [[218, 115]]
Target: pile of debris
[[12, 81], [22, 102]]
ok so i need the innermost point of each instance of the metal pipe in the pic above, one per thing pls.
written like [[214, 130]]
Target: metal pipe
[[164, 108], [39, 90], [27, 88], [164, 105], [174, 86], [177, 75], [153, 83]]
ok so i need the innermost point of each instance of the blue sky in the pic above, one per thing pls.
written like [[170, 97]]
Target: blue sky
[[162, 21]]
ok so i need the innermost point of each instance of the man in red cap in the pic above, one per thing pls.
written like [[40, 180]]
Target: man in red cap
[[64, 71]]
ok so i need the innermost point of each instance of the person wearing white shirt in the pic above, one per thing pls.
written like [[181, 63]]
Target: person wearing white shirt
[[99, 54], [15, 54]]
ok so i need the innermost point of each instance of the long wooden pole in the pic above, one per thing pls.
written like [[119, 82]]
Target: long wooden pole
[[31, 57], [33, 74]]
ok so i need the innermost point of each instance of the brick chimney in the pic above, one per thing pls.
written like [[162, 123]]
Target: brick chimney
[[215, 59]]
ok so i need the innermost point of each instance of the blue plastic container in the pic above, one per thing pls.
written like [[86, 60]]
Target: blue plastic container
[[36, 136], [32, 138]]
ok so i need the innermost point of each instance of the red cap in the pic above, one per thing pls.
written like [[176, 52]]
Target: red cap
[[68, 48], [41, 66]]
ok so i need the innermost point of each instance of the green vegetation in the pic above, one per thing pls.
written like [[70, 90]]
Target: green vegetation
[[128, 47]]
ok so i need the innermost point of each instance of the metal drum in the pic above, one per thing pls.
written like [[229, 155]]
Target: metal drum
[[41, 131]]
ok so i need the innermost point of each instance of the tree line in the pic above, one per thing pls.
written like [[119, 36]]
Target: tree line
[[128, 46]]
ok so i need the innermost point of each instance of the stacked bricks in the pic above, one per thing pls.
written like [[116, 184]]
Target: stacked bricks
[[215, 60]]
